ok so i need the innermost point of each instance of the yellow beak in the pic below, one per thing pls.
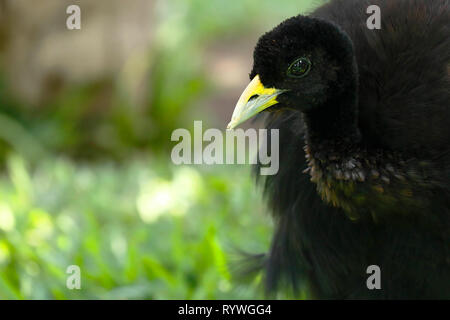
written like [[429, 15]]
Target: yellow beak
[[247, 108]]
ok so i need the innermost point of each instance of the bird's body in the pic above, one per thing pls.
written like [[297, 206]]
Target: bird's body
[[364, 175]]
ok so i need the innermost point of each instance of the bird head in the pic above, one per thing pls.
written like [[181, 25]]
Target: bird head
[[308, 65], [300, 65]]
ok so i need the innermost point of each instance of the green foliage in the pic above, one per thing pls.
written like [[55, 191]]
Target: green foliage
[[100, 119], [138, 227], [137, 231]]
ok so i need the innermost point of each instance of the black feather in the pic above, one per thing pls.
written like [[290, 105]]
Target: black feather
[[375, 188]]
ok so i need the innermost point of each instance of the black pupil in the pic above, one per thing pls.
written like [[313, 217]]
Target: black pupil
[[300, 67]]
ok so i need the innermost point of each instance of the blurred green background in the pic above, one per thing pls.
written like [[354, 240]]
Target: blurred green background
[[85, 122]]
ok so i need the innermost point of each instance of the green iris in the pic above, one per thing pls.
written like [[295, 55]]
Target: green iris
[[299, 68]]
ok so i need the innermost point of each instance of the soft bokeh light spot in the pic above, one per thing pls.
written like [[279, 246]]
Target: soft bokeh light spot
[[186, 187], [175, 197], [41, 228], [7, 220], [66, 222], [154, 200], [4, 252], [119, 246]]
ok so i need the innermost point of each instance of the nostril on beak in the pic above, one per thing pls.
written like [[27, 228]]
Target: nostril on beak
[[253, 97]]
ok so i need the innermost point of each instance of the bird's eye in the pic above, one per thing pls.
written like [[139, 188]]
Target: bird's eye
[[299, 68]]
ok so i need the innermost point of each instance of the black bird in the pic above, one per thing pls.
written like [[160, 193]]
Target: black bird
[[364, 123]]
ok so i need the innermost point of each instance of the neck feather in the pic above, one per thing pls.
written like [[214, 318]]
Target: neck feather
[[334, 123]]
